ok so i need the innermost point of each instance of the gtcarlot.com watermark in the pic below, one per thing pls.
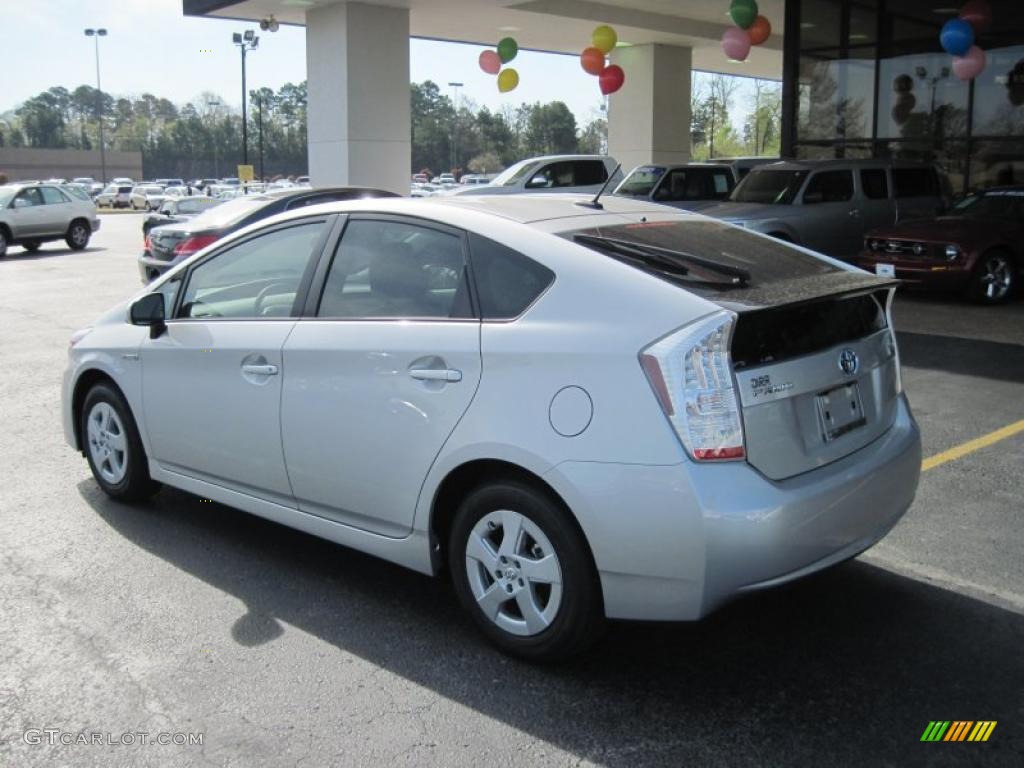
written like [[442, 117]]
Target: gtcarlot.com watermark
[[56, 736]]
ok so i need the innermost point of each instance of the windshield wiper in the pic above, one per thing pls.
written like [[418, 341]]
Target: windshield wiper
[[667, 257]]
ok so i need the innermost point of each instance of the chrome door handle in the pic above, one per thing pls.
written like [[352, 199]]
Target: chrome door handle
[[260, 370], [436, 374]]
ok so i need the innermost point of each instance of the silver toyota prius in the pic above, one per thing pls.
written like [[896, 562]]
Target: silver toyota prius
[[577, 411]]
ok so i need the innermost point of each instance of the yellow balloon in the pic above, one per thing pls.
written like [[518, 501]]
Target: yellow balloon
[[604, 38], [508, 79]]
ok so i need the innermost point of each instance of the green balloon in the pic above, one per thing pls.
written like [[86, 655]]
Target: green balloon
[[743, 12], [507, 49]]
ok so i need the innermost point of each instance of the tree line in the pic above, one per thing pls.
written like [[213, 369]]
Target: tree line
[[203, 137]]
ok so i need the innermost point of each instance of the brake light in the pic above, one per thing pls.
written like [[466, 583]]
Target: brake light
[[147, 243], [192, 244], [690, 372]]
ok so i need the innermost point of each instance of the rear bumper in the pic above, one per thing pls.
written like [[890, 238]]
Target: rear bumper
[[95, 223], [676, 542], [150, 268]]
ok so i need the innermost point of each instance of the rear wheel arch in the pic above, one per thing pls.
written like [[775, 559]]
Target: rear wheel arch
[[783, 236], [464, 479]]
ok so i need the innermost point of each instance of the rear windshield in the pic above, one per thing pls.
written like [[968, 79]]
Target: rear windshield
[[773, 187], [192, 205], [230, 212], [720, 262]]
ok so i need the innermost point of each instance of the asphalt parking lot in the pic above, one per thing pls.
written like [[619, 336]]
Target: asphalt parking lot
[[186, 616]]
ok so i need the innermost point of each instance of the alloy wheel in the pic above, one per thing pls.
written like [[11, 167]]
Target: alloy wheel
[[79, 236], [108, 443], [514, 573], [996, 277]]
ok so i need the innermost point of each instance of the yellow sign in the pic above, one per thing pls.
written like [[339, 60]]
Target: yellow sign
[[246, 173]]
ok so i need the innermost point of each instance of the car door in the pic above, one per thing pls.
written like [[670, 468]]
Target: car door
[[832, 218], [57, 211], [212, 382], [381, 372], [27, 216]]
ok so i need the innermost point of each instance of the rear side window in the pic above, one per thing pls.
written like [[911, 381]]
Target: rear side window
[[915, 182], [874, 183], [829, 187], [590, 172], [52, 196], [507, 281]]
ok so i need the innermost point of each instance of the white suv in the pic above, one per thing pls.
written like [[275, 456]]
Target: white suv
[[32, 214]]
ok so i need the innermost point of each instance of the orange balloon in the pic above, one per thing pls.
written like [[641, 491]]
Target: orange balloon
[[592, 60], [760, 30]]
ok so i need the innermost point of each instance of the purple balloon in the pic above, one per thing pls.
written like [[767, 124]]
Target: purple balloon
[[970, 65], [736, 44]]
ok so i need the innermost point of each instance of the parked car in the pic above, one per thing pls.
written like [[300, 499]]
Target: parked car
[[175, 192], [578, 414], [167, 245], [33, 214], [474, 178], [175, 209], [123, 181], [555, 173], [977, 247], [741, 166], [303, 181], [828, 205], [691, 186], [115, 196], [447, 178], [420, 178], [146, 197]]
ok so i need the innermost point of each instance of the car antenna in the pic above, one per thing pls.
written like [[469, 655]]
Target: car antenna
[[596, 202]]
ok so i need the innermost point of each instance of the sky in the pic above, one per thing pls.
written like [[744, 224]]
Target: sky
[[151, 47]]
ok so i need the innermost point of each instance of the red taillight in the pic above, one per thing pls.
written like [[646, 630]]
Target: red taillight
[[147, 243], [192, 244]]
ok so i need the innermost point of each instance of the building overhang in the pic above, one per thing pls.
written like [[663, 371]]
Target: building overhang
[[559, 26]]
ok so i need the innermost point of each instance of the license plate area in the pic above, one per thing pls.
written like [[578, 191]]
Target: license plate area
[[840, 411]]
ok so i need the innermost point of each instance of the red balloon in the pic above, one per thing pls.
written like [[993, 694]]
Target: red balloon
[[612, 77], [592, 60], [490, 62], [977, 13], [760, 30]]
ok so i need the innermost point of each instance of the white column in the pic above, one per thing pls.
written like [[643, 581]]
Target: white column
[[357, 65], [649, 119]]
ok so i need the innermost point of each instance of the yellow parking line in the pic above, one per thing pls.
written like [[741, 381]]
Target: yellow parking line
[[972, 445]]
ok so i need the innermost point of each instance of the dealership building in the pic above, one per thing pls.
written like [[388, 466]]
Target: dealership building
[[861, 78]]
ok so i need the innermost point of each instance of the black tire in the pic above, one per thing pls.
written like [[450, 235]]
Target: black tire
[[3, 242], [148, 207], [136, 483], [579, 621], [996, 262], [31, 245], [78, 235]]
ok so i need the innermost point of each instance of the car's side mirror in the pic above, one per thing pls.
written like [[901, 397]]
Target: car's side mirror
[[813, 198], [149, 310]]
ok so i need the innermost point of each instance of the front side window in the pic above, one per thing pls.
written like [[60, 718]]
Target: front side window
[[254, 279], [28, 197], [829, 187], [587, 173], [391, 269]]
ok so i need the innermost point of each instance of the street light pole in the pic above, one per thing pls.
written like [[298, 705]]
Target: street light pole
[[260, 123], [246, 41], [455, 128], [96, 34], [213, 104]]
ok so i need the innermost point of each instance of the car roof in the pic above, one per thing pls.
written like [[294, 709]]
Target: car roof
[[524, 209], [839, 163]]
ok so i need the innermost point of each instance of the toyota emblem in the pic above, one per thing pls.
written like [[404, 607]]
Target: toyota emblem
[[848, 362]]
